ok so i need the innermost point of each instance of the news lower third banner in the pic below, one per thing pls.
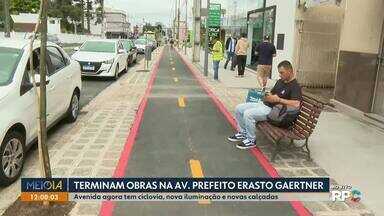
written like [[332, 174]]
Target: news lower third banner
[[175, 189]]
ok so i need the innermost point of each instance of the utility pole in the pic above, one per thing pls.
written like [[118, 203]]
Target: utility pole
[[178, 23], [7, 27], [196, 30], [186, 27], [174, 21], [43, 149], [206, 41]]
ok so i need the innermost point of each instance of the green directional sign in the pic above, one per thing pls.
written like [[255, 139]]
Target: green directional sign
[[214, 15]]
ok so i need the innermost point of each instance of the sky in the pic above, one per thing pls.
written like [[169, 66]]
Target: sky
[[149, 10], [153, 10]]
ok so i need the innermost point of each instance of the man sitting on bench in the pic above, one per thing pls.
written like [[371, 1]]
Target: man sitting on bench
[[286, 91]]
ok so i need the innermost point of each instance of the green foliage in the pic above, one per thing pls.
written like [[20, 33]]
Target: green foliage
[[23, 6], [67, 11]]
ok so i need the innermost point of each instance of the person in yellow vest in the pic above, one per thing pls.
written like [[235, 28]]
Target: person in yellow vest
[[217, 56]]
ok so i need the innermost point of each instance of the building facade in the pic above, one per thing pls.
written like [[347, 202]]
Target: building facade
[[360, 67], [258, 18], [115, 23], [25, 22], [331, 43]]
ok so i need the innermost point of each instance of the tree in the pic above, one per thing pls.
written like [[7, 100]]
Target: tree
[[22, 6], [88, 14], [67, 11], [99, 11]]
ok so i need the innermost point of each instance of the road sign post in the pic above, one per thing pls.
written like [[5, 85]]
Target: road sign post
[[212, 28]]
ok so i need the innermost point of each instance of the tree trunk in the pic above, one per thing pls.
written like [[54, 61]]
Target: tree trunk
[[88, 16], [82, 15], [7, 26], [43, 98]]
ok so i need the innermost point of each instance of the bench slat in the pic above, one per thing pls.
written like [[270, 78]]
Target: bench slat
[[306, 116], [303, 126], [310, 112], [277, 133], [311, 107], [298, 130], [265, 127], [306, 122]]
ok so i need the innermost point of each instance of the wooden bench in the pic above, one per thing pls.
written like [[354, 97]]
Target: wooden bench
[[301, 130]]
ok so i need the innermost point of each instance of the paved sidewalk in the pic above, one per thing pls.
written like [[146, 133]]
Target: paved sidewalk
[[226, 76], [335, 145], [91, 146]]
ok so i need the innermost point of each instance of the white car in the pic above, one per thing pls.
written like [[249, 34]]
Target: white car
[[140, 44], [103, 58], [18, 102]]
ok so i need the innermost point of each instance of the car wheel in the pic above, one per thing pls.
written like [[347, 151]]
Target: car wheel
[[116, 77], [12, 153], [74, 107]]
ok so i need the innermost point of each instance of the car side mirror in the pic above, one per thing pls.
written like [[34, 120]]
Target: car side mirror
[[76, 48]]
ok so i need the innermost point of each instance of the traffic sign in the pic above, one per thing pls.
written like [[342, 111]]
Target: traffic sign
[[214, 15]]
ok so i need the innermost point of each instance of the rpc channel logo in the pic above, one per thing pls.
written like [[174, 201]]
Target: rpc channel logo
[[342, 195]]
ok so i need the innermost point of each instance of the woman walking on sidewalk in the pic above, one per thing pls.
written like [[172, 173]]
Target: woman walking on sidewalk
[[217, 55], [241, 54]]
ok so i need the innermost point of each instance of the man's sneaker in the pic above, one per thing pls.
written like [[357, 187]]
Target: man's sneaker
[[246, 144], [237, 137]]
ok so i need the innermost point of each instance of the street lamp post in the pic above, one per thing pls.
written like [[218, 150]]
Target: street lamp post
[[196, 30], [186, 27], [206, 41]]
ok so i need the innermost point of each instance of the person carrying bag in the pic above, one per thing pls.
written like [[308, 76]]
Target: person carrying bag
[[283, 116], [281, 107]]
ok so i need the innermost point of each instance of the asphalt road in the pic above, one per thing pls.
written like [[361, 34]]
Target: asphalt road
[[92, 86]]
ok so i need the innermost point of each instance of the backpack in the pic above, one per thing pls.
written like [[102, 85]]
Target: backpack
[[281, 116]]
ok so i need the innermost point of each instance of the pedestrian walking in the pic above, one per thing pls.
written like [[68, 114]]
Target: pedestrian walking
[[286, 92], [217, 56], [241, 54], [230, 45], [266, 51]]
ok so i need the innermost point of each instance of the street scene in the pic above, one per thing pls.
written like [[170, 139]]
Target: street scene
[[148, 108]]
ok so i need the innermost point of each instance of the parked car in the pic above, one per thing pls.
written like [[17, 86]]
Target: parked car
[[102, 58], [131, 49], [153, 43], [18, 102], [55, 39], [150, 41], [140, 44]]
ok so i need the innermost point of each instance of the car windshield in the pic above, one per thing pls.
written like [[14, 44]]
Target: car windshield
[[141, 41], [98, 46], [126, 44], [9, 58]]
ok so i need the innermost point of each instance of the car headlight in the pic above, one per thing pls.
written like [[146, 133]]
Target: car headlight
[[110, 61]]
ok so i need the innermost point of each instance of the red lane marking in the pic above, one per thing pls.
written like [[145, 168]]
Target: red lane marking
[[108, 206], [296, 205]]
